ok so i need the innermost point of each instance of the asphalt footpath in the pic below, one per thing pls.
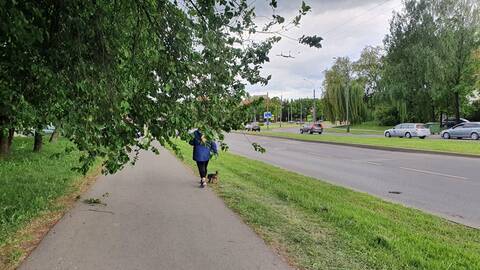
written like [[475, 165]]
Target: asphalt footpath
[[155, 217]]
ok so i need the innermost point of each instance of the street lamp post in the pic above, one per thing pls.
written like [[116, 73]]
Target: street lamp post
[[347, 97], [314, 113], [281, 108], [301, 111]]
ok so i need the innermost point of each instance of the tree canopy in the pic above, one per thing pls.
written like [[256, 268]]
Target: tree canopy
[[112, 72]]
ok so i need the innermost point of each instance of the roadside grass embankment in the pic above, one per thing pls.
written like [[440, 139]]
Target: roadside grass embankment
[[317, 225], [353, 131], [471, 148], [278, 125], [35, 191]]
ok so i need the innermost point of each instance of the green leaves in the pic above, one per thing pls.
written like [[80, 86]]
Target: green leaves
[[427, 51], [312, 41], [257, 147], [305, 8], [273, 3], [120, 75]]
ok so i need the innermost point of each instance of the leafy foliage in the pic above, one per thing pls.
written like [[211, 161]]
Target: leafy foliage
[[344, 94], [119, 75], [427, 55]]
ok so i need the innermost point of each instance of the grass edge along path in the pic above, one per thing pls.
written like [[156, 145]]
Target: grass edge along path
[[450, 147], [317, 225], [24, 237]]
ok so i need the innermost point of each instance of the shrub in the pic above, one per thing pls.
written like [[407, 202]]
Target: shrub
[[387, 115]]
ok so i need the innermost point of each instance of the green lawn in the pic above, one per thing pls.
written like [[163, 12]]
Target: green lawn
[[354, 131], [30, 183], [364, 128], [277, 125], [321, 226], [450, 146]]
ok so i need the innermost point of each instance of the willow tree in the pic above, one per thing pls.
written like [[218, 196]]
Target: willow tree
[[344, 94], [428, 48], [113, 71]]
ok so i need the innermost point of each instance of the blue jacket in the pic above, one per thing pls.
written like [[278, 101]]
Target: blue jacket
[[201, 151]]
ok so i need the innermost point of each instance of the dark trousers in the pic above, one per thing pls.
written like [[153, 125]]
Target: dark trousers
[[202, 168]]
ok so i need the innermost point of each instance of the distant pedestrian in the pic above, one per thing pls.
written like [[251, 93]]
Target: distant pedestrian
[[202, 151]]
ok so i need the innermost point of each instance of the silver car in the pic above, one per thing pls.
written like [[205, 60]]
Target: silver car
[[408, 130], [463, 130]]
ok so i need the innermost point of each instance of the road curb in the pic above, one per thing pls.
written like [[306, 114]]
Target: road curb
[[374, 147]]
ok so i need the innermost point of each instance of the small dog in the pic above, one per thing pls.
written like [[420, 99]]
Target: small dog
[[213, 177]]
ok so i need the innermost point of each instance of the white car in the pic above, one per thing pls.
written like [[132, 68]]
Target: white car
[[408, 130]]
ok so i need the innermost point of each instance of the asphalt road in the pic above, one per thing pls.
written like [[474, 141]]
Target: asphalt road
[[442, 185], [156, 217]]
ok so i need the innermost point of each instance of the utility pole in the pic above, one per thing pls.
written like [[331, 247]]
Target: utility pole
[[267, 111], [301, 111], [281, 108], [314, 113], [291, 111], [288, 112], [347, 100]]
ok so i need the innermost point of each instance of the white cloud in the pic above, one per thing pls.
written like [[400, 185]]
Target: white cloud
[[347, 26]]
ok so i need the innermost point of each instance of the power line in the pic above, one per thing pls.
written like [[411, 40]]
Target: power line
[[355, 17], [338, 35]]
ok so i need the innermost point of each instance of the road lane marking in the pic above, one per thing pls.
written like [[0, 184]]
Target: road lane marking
[[373, 163], [434, 173]]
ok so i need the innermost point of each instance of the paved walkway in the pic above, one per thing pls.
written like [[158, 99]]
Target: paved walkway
[[156, 218]]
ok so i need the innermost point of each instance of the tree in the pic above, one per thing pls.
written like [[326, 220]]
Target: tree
[[409, 60], [119, 75], [427, 52], [458, 24], [344, 94], [368, 69]]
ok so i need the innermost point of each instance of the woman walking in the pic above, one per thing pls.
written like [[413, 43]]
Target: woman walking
[[202, 150]]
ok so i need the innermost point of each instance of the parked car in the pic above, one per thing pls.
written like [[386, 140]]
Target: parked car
[[408, 130], [463, 130], [312, 128], [451, 122], [252, 126], [49, 129]]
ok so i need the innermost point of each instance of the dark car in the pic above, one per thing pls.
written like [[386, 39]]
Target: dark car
[[312, 128], [252, 127], [451, 122]]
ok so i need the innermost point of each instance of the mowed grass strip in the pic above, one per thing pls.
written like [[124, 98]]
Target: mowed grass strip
[[30, 183], [353, 131], [317, 225], [447, 146]]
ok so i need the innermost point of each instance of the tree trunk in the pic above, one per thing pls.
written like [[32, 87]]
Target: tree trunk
[[3, 143], [37, 144], [54, 135], [433, 113], [441, 119], [457, 106], [11, 134]]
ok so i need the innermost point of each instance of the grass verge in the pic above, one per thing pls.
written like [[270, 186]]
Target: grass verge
[[442, 146], [317, 225], [354, 131], [36, 189]]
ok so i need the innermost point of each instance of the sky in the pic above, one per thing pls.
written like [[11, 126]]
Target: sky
[[347, 26]]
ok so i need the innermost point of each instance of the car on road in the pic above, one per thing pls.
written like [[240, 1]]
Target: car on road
[[312, 128], [408, 130], [451, 122], [463, 130], [254, 126]]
